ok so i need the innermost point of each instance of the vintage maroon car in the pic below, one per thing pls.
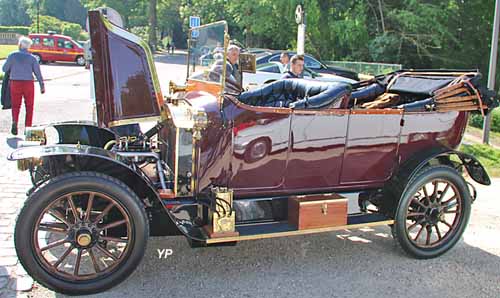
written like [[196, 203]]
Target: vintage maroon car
[[220, 166]]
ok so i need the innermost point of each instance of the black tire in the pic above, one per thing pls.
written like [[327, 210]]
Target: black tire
[[38, 58], [429, 217], [249, 157], [27, 229], [80, 60]]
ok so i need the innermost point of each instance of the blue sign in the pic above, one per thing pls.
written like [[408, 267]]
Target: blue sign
[[195, 34], [194, 21]]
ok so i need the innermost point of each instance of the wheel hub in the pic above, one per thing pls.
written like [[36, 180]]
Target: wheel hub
[[84, 239]]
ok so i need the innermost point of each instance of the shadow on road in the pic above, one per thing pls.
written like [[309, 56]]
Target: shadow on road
[[177, 58], [358, 263]]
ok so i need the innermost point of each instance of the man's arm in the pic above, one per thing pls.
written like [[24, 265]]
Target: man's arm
[[38, 75], [8, 63]]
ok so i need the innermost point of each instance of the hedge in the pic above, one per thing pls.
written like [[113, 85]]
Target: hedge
[[476, 120], [49, 23], [23, 30]]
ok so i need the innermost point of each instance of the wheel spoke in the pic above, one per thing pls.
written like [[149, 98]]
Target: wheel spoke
[[428, 239], [64, 255], [435, 191], [443, 193], [89, 207], [438, 232], [415, 214], [53, 228], [59, 216], [113, 224], [419, 233], [106, 252], [54, 244], [447, 224], [77, 262], [94, 261], [450, 206], [426, 195], [73, 208], [414, 225], [447, 201], [418, 202], [113, 239], [104, 212]]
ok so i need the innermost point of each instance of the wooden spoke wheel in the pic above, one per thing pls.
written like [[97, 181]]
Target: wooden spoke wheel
[[433, 212], [86, 232]]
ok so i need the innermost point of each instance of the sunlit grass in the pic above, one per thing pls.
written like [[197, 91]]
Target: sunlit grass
[[5, 50], [487, 155]]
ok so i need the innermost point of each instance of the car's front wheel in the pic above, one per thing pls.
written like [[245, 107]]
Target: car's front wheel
[[81, 233], [433, 212], [38, 58]]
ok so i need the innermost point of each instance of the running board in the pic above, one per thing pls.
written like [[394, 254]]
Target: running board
[[283, 229]]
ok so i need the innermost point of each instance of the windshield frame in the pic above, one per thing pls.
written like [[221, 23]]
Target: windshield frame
[[222, 82]]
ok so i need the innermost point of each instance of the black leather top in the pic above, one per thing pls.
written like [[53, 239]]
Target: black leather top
[[299, 94]]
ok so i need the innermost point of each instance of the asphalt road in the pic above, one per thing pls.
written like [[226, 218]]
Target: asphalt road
[[350, 263]]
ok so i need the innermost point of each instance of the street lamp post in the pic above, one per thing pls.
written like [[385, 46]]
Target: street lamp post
[[37, 16], [493, 69]]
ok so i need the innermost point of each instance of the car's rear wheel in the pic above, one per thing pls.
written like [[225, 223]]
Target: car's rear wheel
[[433, 212], [80, 60], [81, 233]]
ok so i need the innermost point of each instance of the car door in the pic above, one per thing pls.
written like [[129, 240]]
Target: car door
[[260, 146], [317, 144], [62, 51], [372, 146], [48, 49]]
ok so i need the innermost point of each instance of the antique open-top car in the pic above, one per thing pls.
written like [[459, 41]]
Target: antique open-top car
[[220, 165]]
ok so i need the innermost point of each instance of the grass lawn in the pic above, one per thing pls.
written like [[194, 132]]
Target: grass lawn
[[487, 155], [5, 50], [478, 133]]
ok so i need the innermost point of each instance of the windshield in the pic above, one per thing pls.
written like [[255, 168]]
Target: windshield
[[206, 52]]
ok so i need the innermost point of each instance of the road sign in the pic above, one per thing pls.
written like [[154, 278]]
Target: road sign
[[194, 21], [195, 34]]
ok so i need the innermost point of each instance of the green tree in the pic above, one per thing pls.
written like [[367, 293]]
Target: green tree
[[13, 13]]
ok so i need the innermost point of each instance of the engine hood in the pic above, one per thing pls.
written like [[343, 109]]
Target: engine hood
[[125, 81]]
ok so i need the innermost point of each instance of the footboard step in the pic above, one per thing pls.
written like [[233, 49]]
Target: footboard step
[[284, 229]]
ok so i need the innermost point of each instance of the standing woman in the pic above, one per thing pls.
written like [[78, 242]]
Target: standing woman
[[22, 65]]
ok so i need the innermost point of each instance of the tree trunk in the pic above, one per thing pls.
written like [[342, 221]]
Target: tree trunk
[[381, 15], [152, 25]]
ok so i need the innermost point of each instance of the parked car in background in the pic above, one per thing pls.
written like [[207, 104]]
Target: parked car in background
[[311, 63], [270, 72], [55, 47]]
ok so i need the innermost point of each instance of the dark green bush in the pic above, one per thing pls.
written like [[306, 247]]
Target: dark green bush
[[476, 120], [23, 30]]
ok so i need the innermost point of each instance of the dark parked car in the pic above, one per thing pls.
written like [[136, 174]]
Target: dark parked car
[[221, 166], [310, 63]]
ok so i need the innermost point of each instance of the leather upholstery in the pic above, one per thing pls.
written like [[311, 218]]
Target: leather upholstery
[[299, 94]]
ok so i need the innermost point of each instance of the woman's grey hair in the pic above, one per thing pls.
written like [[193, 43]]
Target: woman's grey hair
[[233, 48], [24, 42]]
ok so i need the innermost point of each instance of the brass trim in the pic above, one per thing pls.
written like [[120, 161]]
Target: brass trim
[[176, 166], [297, 232], [321, 201], [133, 120]]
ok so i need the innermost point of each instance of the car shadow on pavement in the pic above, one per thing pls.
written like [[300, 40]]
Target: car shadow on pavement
[[13, 142], [350, 263]]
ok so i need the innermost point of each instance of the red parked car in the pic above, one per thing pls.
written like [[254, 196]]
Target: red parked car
[[54, 47]]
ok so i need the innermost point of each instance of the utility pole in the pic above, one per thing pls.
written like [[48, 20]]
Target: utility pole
[[301, 32], [37, 16], [493, 69]]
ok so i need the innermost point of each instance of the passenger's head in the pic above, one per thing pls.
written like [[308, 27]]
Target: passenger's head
[[297, 66], [284, 58], [233, 54], [24, 43]]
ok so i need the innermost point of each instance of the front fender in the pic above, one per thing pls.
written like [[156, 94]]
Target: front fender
[[67, 158]]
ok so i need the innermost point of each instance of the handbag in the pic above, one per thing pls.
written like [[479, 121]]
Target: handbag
[[5, 96]]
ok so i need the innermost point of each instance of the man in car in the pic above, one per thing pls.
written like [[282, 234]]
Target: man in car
[[285, 60], [296, 68], [233, 76]]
